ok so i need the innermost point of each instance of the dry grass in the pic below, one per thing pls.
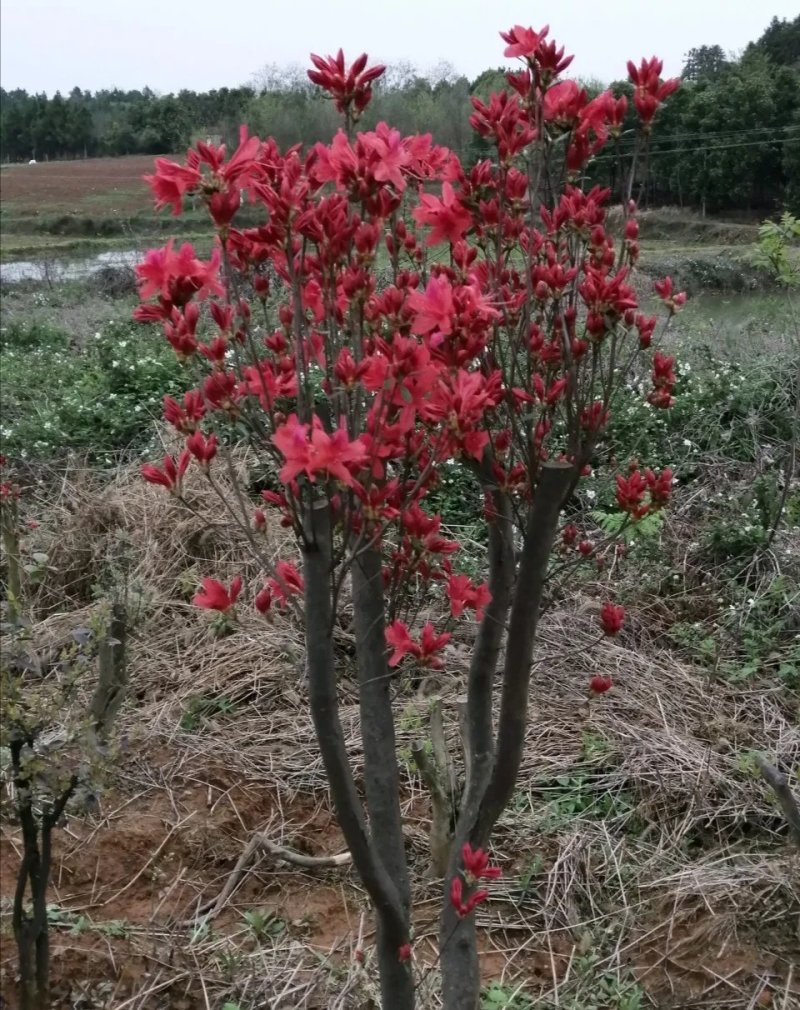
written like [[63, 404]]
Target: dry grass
[[641, 853]]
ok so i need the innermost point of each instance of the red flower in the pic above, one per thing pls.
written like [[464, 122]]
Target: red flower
[[184, 418], [550, 59], [586, 548], [216, 596], [612, 617], [398, 637], [9, 490], [675, 301], [169, 474], [448, 218], [176, 277], [563, 103], [433, 308], [522, 41], [630, 494], [347, 86], [203, 449], [663, 380], [600, 684], [287, 582], [171, 183], [333, 455], [659, 486], [464, 595], [646, 326], [463, 908], [649, 89], [476, 865], [404, 953], [263, 601]]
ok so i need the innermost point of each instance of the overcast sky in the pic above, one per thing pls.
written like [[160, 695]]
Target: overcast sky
[[47, 45]]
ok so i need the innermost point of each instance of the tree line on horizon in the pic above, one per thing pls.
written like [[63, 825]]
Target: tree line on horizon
[[728, 140]]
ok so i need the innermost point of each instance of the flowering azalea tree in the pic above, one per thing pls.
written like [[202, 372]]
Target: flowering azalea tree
[[393, 312]]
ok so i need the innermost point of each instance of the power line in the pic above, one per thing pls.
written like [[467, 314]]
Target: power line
[[765, 142]]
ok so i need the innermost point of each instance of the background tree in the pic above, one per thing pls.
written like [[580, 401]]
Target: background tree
[[704, 62]]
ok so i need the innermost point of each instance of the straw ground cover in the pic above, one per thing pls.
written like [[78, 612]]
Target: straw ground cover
[[645, 861]]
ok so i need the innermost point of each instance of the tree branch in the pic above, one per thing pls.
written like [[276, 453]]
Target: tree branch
[[539, 535]]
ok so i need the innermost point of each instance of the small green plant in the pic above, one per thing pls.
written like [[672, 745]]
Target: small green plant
[[498, 997], [229, 962], [599, 990], [593, 746], [617, 524], [576, 795], [264, 923], [200, 707], [527, 877], [79, 924], [53, 750], [777, 239]]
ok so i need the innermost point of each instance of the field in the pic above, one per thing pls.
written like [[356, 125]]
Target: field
[[646, 862], [76, 187], [58, 208]]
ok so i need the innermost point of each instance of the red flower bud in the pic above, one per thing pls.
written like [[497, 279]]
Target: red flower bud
[[599, 684], [612, 617]]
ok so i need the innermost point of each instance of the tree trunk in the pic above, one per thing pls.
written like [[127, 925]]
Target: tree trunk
[[381, 776], [461, 973], [540, 533], [457, 942], [459, 957], [398, 992]]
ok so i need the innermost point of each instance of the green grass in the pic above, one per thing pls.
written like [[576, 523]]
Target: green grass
[[97, 398]]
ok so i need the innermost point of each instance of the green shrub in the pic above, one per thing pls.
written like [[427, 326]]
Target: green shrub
[[97, 399]]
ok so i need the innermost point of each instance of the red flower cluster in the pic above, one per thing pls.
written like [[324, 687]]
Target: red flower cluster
[[335, 455], [612, 617], [650, 91], [169, 474], [463, 595], [663, 381], [600, 683], [631, 491], [216, 596], [350, 87], [476, 868], [425, 652]]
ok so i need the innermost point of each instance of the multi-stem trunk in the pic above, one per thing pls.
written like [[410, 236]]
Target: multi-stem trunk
[[389, 895], [489, 790]]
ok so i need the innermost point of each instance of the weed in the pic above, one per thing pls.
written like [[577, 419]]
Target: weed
[[201, 707], [263, 923], [498, 997]]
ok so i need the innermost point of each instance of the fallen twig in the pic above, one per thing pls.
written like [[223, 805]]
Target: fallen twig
[[210, 909]]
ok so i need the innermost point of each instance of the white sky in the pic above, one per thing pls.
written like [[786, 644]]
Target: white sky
[[47, 45]]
